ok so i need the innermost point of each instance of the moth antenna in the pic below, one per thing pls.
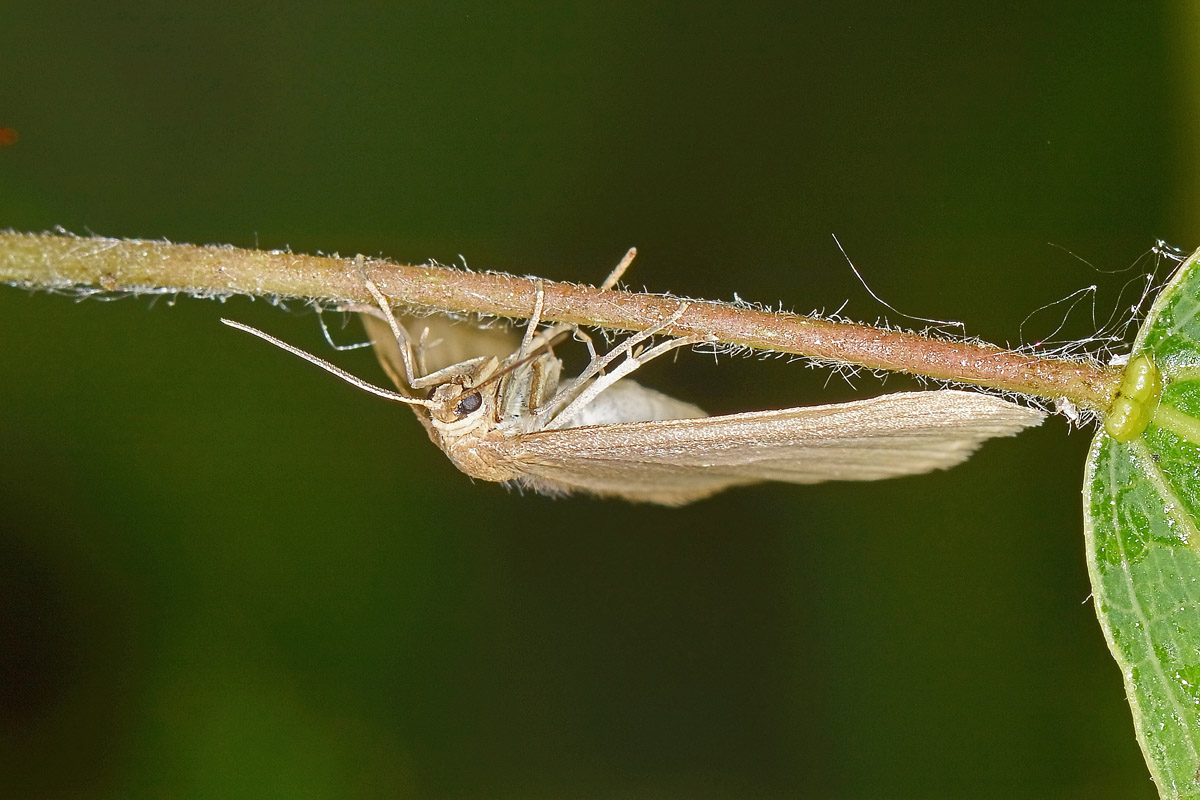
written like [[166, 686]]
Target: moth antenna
[[325, 365]]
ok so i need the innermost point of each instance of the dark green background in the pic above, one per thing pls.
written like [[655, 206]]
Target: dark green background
[[224, 573]]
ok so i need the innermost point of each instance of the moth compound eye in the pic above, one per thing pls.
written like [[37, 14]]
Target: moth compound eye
[[468, 405]]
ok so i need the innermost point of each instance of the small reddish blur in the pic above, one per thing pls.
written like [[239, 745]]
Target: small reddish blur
[[8, 137]]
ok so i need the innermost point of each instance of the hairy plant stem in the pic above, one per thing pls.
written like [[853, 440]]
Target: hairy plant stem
[[73, 263]]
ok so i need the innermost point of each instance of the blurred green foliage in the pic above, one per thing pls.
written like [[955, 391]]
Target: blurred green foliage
[[223, 573]]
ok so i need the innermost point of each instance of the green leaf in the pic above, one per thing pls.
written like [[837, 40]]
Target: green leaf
[[1141, 510]]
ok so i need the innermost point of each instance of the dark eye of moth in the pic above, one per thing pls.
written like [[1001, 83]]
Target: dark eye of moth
[[468, 404]]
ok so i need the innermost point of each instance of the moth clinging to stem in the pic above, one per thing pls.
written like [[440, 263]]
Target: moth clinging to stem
[[513, 418]]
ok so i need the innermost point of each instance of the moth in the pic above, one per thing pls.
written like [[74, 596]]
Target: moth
[[513, 418]]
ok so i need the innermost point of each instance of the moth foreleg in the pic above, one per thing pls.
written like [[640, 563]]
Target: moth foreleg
[[385, 308]]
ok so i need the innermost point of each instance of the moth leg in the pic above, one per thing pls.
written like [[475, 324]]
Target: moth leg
[[534, 338], [622, 370], [402, 337], [361, 308], [599, 364], [543, 380], [580, 336], [423, 345], [619, 270], [540, 303], [567, 396], [608, 283], [535, 319], [329, 338]]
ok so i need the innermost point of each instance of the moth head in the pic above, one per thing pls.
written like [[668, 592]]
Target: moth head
[[455, 408]]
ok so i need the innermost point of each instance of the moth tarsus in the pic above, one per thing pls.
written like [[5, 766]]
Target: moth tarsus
[[505, 414]]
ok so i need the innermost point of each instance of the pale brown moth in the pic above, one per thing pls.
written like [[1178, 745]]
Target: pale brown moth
[[512, 418]]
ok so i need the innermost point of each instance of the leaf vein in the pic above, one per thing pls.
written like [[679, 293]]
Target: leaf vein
[[1141, 455], [1172, 505]]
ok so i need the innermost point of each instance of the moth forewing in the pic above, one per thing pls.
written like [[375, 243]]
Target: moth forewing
[[678, 461]]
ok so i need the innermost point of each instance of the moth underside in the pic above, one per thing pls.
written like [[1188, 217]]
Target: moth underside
[[506, 414]]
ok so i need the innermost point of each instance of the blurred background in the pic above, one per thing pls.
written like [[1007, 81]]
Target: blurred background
[[224, 573]]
